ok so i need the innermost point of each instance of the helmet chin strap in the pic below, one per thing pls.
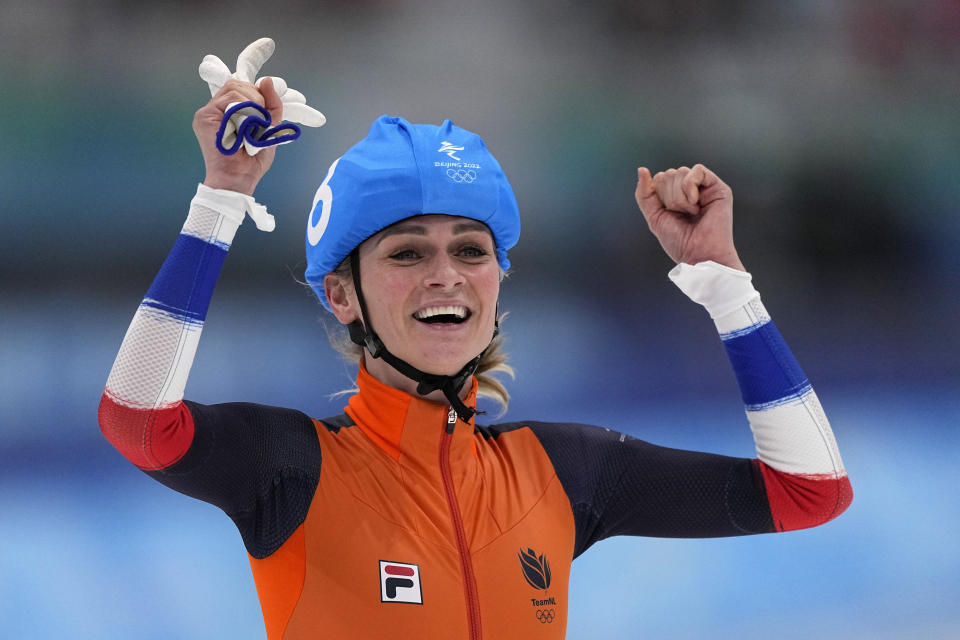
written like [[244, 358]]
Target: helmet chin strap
[[362, 333]]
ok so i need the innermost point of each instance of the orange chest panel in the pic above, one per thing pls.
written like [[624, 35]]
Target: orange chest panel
[[379, 552]]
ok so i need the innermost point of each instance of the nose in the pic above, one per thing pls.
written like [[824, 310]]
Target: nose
[[442, 273]]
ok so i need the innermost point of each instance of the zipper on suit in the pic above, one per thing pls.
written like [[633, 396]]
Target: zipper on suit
[[469, 579]]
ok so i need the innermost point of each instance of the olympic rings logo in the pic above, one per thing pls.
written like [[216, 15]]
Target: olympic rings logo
[[462, 175], [545, 615]]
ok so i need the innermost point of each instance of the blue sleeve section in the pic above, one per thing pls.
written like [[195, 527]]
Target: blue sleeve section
[[765, 368], [186, 280]]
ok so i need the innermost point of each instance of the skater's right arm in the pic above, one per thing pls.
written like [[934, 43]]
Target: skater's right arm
[[142, 411]]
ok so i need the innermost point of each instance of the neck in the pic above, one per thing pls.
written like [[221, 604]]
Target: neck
[[386, 374]]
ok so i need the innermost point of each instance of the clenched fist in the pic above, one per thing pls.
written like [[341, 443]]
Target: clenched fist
[[690, 211]]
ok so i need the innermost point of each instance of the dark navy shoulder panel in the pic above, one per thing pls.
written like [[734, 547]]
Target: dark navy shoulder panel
[[260, 464], [619, 485]]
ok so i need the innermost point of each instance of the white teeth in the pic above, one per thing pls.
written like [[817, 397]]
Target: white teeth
[[429, 312]]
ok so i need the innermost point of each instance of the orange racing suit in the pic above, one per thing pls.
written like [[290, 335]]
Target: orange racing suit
[[396, 517]]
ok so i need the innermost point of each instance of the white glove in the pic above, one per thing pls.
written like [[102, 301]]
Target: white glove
[[295, 109]]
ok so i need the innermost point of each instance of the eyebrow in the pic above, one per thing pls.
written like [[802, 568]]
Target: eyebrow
[[420, 230]]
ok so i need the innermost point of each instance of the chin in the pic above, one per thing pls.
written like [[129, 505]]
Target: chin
[[444, 364], [442, 369]]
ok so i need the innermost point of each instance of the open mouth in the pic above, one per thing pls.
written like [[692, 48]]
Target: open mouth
[[451, 314]]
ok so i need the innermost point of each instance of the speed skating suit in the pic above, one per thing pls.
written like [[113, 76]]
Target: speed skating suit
[[398, 518]]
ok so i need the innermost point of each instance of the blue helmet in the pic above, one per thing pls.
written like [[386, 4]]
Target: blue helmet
[[402, 170]]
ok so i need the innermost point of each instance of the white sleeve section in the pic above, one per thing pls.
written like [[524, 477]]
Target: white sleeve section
[[795, 437], [157, 352], [154, 361], [206, 224], [211, 224], [742, 320], [233, 205], [719, 289]]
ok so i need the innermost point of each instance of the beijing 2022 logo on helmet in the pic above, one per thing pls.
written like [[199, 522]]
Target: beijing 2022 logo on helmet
[[536, 571], [459, 171]]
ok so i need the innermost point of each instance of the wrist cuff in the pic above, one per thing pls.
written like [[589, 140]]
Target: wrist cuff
[[721, 290], [234, 205]]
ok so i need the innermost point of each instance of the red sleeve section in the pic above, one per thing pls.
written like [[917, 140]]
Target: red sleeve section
[[800, 501], [151, 439]]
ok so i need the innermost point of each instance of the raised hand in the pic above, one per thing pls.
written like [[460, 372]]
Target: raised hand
[[690, 211], [238, 172]]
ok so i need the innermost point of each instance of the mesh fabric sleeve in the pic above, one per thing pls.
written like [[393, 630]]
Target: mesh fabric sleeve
[[141, 410], [259, 464], [797, 453]]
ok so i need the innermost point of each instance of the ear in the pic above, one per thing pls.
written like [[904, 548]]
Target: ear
[[342, 300]]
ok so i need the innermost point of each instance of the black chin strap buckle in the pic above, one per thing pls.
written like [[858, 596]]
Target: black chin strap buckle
[[426, 387], [369, 339]]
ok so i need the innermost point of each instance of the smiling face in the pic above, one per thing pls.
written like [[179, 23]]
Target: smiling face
[[431, 284]]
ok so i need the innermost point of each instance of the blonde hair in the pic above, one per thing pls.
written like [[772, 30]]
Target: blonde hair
[[494, 359]]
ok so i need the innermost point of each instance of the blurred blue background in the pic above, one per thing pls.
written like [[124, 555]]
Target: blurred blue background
[[836, 124]]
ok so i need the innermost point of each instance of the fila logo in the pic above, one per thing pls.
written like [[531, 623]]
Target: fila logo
[[400, 582], [448, 149]]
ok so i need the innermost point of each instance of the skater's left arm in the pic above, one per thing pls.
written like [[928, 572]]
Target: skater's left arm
[[690, 211]]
